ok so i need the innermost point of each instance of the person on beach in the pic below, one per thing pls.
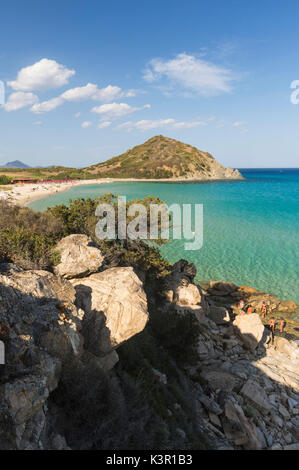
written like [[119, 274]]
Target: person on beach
[[249, 310], [264, 309], [241, 307], [281, 325], [272, 324]]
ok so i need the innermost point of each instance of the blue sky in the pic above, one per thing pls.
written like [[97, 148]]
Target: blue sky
[[86, 80]]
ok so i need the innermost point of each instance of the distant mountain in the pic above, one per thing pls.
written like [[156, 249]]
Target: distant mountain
[[16, 164], [162, 157]]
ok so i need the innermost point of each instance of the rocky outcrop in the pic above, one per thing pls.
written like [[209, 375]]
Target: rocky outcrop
[[251, 330], [79, 257], [221, 288], [115, 308], [40, 327], [256, 390], [281, 363], [180, 291], [246, 388], [227, 293], [46, 335]]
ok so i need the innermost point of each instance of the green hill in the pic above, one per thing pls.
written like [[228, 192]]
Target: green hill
[[161, 157]]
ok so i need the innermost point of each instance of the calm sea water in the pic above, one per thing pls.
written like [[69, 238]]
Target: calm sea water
[[251, 227]]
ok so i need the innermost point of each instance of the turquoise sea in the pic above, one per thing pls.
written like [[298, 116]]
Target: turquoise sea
[[251, 227]]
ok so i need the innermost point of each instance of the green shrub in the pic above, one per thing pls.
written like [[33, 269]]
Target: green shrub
[[27, 237], [5, 179], [30, 236], [178, 334]]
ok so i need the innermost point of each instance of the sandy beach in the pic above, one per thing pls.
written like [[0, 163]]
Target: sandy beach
[[23, 194]]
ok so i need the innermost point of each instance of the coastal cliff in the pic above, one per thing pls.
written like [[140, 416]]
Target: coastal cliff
[[102, 355]]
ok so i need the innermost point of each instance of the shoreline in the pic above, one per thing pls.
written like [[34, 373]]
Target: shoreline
[[26, 193]]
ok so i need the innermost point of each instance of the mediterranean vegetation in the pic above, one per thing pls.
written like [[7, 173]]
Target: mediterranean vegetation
[[4, 180], [159, 157], [28, 238]]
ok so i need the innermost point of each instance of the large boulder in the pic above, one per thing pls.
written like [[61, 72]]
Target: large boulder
[[219, 379], [255, 394], [188, 295], [115, 308], [182, 267], [39, 309], [221, 288], [238, 429], [251, 330], [79, 257], [290, 348], [178, 288], [40, 327]]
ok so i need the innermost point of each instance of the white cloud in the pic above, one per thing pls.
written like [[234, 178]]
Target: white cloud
[[239, 123], [80, 93], [19, 100], [146, 124], [110, 93], [89, 91], [73, 94], [116, 110], [86, 124], [37, 123], [42, 75], [131, 93], [77, 115], [46, 106], [188, 125], [107, 94], [191, 73], [47, 74], [104, 124]]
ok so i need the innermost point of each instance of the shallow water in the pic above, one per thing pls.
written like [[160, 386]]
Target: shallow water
[[251, 227]]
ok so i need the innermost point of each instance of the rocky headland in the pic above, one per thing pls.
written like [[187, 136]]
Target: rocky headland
[[163, 158]]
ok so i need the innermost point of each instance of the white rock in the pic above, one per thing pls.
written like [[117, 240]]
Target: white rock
[[115, 308], [78, 257], [251, 330]]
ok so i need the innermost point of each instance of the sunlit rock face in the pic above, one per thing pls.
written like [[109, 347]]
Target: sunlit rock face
[[115, 308], [79, 257]]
